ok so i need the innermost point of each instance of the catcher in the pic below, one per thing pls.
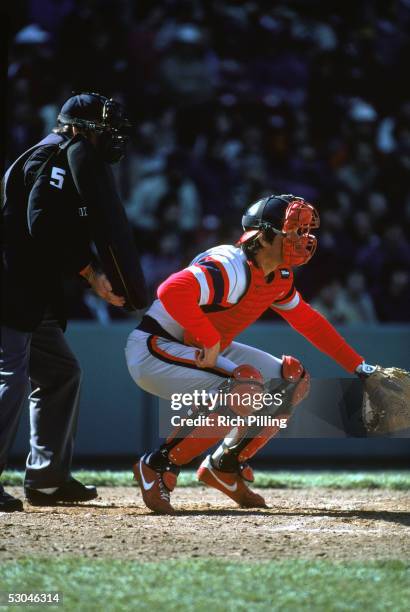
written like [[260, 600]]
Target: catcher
[[185, 343]]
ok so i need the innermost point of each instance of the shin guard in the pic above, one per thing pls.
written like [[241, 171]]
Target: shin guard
[[204, 429], [189, 441], [233, 453]]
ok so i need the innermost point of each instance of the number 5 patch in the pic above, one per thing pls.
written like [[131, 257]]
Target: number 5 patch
[[57, 177]]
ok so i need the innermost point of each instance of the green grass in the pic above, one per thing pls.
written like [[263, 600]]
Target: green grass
[[202, 585], [399, 481]]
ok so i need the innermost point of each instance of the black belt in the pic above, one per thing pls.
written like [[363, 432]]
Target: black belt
[[151, 326]]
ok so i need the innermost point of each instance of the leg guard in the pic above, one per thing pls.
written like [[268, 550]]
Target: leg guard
[[189, 441], [295, 374], [233, 453], [247, 382]]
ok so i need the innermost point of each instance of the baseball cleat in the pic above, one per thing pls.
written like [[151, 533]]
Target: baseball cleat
[[8, 503], [70, 492], [230, 483], [155, 485]]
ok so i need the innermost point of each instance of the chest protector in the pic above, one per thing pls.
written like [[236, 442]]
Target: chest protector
[[259, 295]]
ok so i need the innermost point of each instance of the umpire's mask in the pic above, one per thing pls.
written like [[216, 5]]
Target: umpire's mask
[[104, 116]]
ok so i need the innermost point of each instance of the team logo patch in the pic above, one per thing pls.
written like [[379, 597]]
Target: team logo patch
[[284, 273]]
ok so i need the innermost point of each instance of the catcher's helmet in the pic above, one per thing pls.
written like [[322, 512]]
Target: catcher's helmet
[[287, 215], [104, 116]]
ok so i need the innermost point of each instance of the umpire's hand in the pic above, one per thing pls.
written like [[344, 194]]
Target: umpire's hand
[[102, 287]]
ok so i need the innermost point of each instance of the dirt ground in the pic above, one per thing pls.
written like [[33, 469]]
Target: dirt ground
[[306, 523]]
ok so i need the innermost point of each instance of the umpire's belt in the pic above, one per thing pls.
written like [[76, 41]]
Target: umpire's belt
[[151, 326]]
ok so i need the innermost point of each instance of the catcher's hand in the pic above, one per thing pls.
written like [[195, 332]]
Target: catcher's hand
[[386, 398]]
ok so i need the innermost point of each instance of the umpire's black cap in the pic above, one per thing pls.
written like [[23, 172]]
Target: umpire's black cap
[[81, 108]]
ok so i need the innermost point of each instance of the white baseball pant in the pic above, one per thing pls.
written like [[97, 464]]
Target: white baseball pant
[[163, 367]]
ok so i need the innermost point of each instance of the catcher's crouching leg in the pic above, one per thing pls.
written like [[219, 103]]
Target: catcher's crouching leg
[[157, 472], [227, 469]]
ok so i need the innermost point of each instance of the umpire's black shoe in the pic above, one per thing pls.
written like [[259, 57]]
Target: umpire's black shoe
[[8, 503], [70, 492]]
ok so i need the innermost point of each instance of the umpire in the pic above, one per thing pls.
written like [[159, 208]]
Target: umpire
[[59, 198]]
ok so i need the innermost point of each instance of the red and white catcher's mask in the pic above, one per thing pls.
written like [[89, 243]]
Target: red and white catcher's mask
[[299, 245], [290, 216]]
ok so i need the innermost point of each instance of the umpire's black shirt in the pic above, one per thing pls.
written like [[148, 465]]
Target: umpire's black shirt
[[45, 225]]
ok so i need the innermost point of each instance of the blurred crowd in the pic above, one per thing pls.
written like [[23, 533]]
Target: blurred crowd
[[232, 101]]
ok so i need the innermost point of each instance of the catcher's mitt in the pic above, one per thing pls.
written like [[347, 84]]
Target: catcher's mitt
[[386, 400]]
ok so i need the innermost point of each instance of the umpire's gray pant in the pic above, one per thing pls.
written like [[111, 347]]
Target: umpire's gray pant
[[43, 360]]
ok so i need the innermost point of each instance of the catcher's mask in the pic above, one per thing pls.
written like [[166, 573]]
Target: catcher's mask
[[105, 117], [286, 215]]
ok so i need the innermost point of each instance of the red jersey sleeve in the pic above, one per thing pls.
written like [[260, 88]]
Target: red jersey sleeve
[[180, 295], [315, 328]]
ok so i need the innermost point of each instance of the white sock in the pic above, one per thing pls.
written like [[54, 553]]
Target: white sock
[[48, 491]]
